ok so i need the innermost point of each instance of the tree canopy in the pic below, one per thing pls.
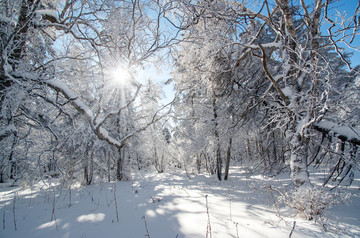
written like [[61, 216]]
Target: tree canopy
[[256, 85]]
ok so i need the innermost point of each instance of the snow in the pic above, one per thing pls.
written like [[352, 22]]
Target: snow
[[105, 134], [287, 91], [272, 45], [170, 204], [357, 81], [48, 12], [7, 20], [349, 132], [7, 130], [63, 87]]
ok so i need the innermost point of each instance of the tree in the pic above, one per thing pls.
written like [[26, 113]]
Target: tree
[[205, 94], [296, 61], [60, 55]]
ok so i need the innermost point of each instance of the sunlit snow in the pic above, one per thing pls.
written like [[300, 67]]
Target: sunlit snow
[[171, 205]]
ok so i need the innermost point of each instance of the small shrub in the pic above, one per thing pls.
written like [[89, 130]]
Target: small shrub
[[312, 202]]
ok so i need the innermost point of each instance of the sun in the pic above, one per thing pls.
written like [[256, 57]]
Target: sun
[[120, 76]]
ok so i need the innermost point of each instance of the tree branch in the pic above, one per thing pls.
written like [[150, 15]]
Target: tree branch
[[278, 89]]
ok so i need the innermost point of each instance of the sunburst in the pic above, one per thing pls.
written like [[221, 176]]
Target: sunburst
[[120, 76]]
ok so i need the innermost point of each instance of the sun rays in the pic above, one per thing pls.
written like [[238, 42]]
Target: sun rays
[[120, 76]]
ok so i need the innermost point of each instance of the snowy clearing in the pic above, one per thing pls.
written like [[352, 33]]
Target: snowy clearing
[[167, 205]]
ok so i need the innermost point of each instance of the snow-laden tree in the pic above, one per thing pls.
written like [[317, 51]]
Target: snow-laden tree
[[155, 140], [62, 58], [337, 145], [206, 105], [298, 62]]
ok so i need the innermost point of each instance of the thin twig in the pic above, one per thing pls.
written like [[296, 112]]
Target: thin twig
[[116, 205], [292, 230], [4, 219], [146, 227], [14, 202], [230, 205], [237, 230], [70, 195], [208, 227], [53, 217]]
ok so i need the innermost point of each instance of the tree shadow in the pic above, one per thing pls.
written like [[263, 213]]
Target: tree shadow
[[162, 205]]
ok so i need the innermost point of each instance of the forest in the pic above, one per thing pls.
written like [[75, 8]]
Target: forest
[[267, 88]]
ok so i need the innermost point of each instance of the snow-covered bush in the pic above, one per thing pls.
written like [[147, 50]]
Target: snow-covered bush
[[312, 202]]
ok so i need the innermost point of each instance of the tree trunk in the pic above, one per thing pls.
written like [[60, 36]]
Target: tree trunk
[[89, 169], [109, 168], [340, 164], [198, 163], [119, 167], [208, 164], [86, 173], [228, 156], [2, 176], [248, 149], [212, 165], [298, 161], [218, 164], [275, 154], [159, 163], [12, 161], [22, 29], [216, 137]]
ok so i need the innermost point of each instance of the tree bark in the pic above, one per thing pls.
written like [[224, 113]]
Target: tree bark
[[216, 138], [249, 154], [88, 169], [119, 167], [218, 164], [86, 174], [198, 163], [228, 158], [298, 161], [91, 168]]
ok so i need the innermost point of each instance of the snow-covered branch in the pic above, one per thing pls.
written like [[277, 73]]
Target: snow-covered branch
[[6, 131], [101, 133], [268, 74], [98, 123], [71, 95], [345, 133]]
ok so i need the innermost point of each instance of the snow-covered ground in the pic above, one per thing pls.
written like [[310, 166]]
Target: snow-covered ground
[[165, 205]]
